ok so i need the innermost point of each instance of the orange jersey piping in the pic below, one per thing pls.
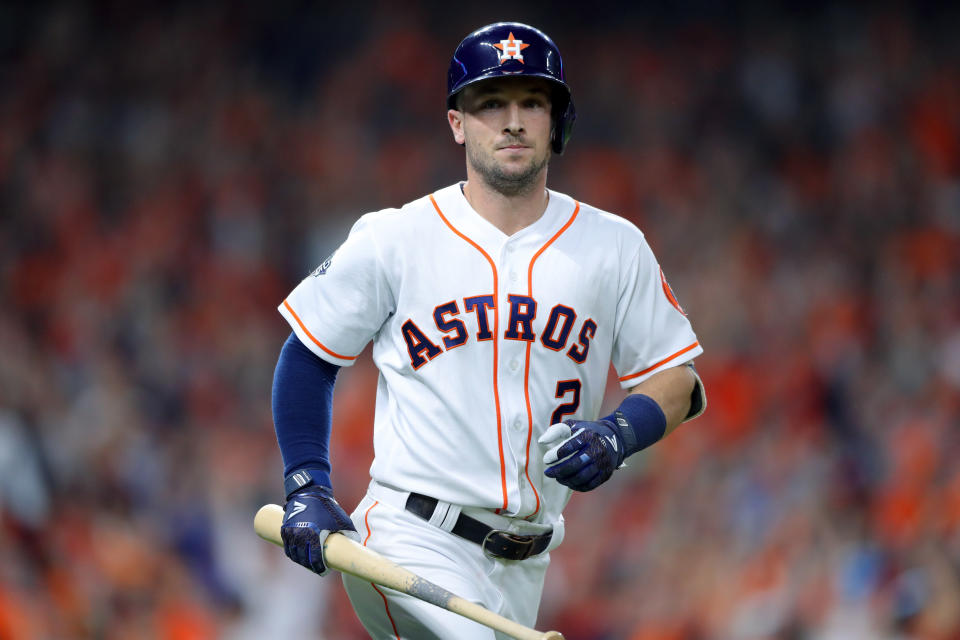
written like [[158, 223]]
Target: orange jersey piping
[[496, 342], [667, 359], [310, 335], [526, 368]]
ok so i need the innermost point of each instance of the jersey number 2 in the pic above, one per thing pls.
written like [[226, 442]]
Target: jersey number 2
[[567, 408]]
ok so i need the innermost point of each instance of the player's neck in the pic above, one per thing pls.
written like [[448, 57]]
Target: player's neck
[[509, 213]]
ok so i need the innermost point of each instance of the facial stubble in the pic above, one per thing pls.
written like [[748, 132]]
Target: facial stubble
[[507, 183]]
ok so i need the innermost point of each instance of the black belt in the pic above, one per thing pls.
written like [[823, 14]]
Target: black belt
[[494, 542]]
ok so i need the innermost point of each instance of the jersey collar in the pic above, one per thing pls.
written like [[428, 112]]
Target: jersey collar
[[462, 215]]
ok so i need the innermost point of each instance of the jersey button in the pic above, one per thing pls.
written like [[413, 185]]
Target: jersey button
[[513, 276], [514, 365], [517, 424]]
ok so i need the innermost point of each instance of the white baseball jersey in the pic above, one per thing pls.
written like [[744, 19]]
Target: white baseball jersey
[[484, 340]]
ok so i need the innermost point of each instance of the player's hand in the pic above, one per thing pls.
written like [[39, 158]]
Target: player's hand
[[582, 454], [310, 515]]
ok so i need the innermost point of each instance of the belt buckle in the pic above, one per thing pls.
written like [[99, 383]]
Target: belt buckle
[[524, 553]]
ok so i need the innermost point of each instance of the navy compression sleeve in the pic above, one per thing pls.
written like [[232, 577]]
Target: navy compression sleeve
[[303, 409]]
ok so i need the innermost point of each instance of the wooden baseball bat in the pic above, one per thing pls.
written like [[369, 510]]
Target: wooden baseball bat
[[343, 554]]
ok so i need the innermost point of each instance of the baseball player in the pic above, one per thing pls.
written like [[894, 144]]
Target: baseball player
[[495, 307]]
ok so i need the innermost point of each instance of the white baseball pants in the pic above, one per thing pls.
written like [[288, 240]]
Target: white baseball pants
[[509, 588]]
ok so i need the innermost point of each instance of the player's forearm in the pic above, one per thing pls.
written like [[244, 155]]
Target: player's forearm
[[672, 390], [302, 409]]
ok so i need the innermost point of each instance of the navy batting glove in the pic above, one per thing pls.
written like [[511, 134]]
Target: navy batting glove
[[310, 515], [586, 455]]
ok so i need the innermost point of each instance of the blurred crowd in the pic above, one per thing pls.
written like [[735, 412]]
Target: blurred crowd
[[167, 175]]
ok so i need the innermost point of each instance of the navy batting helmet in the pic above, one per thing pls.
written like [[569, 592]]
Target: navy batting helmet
[[510, 49]]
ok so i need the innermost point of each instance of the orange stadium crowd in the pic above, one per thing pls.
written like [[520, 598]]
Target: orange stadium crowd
[[167, 175]]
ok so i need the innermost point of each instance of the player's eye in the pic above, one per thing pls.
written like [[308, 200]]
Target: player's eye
[[535, 102], [490, 103]]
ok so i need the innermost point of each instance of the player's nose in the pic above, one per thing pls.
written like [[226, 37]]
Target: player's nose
[[514, 124]]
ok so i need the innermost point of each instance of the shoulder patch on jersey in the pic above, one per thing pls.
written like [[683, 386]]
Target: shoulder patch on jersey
[[322, 269], [669, 293]]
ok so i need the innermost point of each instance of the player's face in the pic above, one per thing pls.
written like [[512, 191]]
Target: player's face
[[505, 125]]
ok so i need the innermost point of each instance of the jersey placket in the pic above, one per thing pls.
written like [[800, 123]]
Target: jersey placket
[[513, 369]]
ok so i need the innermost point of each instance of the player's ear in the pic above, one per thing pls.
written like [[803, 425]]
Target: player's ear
[[455, 119]]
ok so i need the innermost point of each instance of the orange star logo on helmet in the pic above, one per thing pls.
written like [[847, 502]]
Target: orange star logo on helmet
[[511, 48]]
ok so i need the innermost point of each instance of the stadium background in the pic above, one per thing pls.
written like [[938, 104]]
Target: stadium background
[[169, 172]]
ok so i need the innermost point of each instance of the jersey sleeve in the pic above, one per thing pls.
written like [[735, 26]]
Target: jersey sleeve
[[652, 331], [343, 303]]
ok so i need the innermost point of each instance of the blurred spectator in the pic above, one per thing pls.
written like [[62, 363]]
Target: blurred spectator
[[168, 173]]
